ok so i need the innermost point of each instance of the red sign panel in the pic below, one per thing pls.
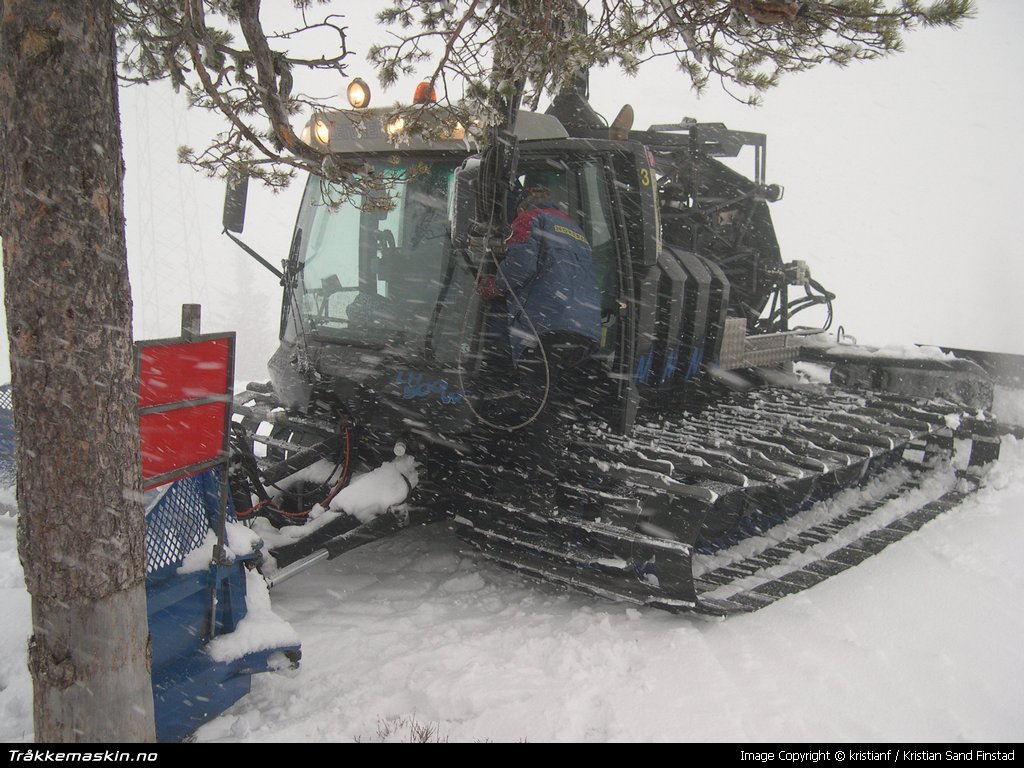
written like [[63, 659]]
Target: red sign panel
[[185, 392], [178, 439], [174, 373]]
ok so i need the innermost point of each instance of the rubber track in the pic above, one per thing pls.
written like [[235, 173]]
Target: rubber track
[[584, 574], [843, 558], [765, 439]]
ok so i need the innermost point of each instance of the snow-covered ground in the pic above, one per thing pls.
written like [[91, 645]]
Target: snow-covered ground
[[919, 643]]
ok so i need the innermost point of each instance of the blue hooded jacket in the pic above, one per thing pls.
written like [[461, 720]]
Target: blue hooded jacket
[[550, 267]]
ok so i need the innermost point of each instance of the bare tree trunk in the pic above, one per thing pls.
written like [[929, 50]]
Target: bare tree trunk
[[81, 531]]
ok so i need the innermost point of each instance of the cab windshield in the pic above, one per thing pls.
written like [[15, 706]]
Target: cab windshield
[[371, 268], [384, 268]]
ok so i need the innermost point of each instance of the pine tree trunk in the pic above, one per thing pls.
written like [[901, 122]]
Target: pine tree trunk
[[81, 531]]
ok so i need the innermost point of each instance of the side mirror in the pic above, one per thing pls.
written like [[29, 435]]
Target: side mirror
[[235, 196], [234, 217]]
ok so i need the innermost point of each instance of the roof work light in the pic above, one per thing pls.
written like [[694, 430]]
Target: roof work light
[[359, 93]]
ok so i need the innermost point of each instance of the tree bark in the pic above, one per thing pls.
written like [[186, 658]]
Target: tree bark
[[81, 529]]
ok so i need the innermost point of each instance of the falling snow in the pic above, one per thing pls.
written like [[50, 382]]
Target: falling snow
[[919, 643]]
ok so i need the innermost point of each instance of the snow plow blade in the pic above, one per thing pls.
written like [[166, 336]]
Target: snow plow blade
[[1006, 370], [961, 380], [966, 376], [724, 511]]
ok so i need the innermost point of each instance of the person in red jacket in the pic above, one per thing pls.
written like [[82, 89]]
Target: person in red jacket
[[548, 281], [549, 286]]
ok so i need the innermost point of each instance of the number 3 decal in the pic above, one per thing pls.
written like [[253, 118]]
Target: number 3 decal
[[645, 177]]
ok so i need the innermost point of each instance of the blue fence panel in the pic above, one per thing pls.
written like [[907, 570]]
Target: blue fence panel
[[189, 688]]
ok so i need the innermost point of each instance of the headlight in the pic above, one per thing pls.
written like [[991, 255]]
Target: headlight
[[395, 125], [322, 131]]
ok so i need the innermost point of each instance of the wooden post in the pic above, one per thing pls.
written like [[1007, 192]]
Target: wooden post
[[191, 317]]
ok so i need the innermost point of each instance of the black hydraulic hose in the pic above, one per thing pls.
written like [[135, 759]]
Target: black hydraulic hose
[[540, 346], [823, 296]]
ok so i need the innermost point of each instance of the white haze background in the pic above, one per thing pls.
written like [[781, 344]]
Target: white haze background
[[903, 192]]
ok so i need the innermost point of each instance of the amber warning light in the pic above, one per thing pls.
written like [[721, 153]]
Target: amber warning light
[[425, 94]]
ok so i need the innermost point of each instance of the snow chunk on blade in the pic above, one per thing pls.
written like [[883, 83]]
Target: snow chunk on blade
[[370, 495], [260, 630]]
